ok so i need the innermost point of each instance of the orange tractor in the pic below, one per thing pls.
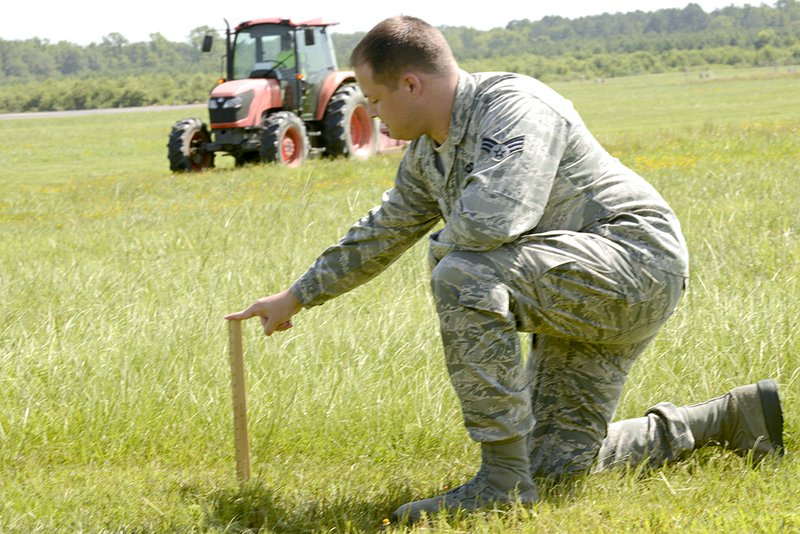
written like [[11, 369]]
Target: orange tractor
[[282, 100]]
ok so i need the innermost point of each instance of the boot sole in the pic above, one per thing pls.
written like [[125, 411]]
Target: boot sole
[[773, 413]]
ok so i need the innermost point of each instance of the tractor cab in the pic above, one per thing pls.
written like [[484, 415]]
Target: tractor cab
[[298, 55]]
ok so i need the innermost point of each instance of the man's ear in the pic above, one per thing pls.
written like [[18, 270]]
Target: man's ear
[[411, 82]]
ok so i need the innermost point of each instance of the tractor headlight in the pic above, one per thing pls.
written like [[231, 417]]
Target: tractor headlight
[[212, 104], [235, 103]]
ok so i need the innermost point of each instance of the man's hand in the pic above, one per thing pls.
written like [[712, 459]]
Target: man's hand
[[275, 311]]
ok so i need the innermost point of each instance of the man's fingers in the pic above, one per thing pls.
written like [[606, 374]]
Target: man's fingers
[[270, 327], [274, 311], [241, 315]]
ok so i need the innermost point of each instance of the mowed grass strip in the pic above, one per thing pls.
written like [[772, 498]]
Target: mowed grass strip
[[115, 410]]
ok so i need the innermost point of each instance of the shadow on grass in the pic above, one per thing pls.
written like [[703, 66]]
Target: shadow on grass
[[250, 507], [255, 507]]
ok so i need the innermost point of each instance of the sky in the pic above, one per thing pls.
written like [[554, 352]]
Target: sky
[[86, 21]]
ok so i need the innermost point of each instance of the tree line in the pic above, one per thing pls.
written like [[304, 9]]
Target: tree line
[[36, 75]]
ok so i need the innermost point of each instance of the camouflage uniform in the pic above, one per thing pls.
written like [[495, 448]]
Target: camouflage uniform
[[544, 232]]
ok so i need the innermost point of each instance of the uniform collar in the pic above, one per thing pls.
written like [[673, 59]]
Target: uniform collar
[[462, 106]]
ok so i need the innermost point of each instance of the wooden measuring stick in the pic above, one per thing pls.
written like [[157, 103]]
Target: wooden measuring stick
[[240, 439]]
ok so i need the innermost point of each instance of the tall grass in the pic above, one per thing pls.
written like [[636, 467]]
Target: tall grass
[[115, 407]]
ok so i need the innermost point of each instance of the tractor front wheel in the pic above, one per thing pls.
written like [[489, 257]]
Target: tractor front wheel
[[185, 147], [284, 139], [348, 129]]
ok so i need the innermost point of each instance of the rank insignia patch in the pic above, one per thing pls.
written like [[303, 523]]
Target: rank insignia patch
[[500, 151]]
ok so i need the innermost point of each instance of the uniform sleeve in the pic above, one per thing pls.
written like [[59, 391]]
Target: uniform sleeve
[[521, 143], [406, 213]]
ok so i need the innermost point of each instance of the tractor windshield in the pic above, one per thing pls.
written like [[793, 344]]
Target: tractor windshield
[[263, 48]]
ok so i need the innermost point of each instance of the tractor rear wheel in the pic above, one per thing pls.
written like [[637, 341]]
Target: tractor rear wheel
[[185, 146], [284, 139], [347, 128]]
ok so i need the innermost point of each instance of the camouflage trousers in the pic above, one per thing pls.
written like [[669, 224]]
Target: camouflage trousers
[[591, 312]]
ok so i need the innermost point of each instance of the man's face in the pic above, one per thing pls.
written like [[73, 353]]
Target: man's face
[[395, 107]]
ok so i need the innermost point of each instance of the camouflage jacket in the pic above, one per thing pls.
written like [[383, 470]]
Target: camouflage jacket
[[518, 160]]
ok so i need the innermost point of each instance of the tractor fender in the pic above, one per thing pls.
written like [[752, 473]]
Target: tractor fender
[[271, 97], [332, 82]]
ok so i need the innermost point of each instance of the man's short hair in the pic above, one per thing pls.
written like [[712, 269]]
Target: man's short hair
[[401, 43]]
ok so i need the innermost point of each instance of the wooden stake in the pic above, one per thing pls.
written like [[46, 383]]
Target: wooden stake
[[240, 439]]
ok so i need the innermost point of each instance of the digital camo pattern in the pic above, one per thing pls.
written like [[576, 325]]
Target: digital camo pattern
[[543, 232], [592, 315], [662, 435], [557, 179]]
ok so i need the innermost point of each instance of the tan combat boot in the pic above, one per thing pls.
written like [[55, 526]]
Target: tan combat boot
[[746, 419], [504, 477]]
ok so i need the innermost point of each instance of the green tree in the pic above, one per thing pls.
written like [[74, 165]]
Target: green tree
[[70, 58], [764, 38]]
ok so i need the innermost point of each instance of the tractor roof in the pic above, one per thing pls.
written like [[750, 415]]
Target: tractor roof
[[285, 22]]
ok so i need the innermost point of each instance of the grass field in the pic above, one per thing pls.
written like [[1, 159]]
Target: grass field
[[115, 411]]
